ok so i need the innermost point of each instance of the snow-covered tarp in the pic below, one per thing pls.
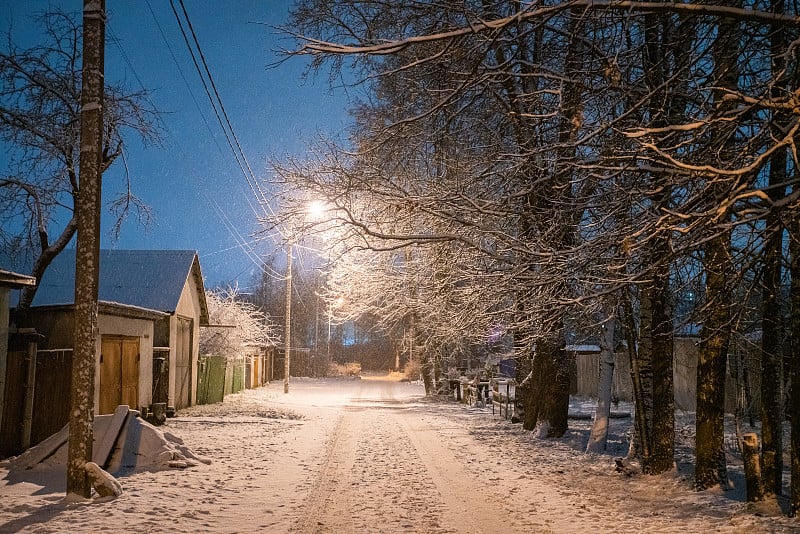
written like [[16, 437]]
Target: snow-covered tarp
[[139, 446]]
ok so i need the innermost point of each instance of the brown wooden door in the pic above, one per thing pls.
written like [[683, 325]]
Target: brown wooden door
[[183, 363], [119, 373]]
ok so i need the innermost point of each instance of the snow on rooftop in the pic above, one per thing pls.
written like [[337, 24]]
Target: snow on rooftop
[[149, 279]]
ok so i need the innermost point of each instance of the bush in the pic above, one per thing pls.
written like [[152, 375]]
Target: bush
[[347, 369]]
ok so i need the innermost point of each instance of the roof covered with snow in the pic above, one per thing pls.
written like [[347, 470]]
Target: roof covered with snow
[[15, 280], [582, 348], [149, 279]]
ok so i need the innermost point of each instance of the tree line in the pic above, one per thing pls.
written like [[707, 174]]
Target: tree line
[[556, 170]]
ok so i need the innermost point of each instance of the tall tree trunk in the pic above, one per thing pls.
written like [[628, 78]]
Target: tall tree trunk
[[548, 397], [771, 354], [547, 412], [522, 377], [655, 364], [772, 254], [654, 355], [87, 209], [794, 251], [710, 468]]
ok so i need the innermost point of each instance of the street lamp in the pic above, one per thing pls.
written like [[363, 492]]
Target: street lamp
[[288, 317], [314, 210]]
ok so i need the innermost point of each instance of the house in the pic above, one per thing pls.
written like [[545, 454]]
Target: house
[[151, 306]]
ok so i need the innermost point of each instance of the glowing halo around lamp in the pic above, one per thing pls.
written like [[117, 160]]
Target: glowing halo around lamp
[[316, 209]]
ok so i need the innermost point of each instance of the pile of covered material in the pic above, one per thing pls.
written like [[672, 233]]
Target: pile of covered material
[[123, 443]]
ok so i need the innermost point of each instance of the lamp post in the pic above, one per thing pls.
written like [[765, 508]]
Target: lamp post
[[315, 210], [288, 317]]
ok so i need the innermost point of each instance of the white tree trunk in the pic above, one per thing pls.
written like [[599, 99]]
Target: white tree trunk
[[599, 434]]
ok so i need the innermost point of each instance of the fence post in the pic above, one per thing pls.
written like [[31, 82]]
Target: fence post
[[30, 390]]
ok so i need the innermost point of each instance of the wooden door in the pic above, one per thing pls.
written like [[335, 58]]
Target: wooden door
[[256, 371], [130, 373], [119, 373], [183, 363]]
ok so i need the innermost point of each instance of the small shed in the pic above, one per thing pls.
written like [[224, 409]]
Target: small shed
[[151, 306], [8, 281]]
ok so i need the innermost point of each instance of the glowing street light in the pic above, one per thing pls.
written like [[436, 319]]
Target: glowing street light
[[315, 211]]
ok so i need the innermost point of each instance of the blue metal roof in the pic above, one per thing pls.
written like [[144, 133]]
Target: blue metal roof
[[151, 279]]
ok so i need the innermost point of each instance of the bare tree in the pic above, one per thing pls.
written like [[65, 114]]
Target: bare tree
[[40, 90], [710, 469], [242, 323], [572, 176]]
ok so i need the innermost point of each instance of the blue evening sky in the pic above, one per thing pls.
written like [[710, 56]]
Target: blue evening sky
[[193, 182]]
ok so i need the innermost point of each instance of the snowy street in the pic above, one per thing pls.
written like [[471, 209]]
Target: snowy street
[[372, 455]]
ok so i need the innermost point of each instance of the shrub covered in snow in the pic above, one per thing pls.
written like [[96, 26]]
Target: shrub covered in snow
[[238, 324]]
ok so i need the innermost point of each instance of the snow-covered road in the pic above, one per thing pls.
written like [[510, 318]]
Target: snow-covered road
[[388, 468], [374, 456]]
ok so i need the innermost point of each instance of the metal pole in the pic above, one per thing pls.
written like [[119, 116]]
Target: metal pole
[[288, 317]]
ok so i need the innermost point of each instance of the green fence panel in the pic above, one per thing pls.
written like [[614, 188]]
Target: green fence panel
[[238, 377], [211, 380]]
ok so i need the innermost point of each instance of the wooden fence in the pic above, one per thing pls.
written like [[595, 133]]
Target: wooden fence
[[742, 386], [587, 377], [37, 397]]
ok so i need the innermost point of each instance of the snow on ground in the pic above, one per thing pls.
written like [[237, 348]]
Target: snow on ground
[[372, 456]]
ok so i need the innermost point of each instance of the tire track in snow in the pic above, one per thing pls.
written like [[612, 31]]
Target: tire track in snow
[[371, 479], [388, 469], [327, 507], [465, 501]]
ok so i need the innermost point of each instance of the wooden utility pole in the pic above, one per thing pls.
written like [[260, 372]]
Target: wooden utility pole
[[87, 213], [288, 318]]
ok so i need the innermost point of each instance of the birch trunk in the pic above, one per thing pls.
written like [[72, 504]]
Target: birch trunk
[[599, 434]]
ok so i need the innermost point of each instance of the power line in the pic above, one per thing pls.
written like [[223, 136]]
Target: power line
[[217, 105], [243, 244], [118, 44], [254, 184], [183, 76]]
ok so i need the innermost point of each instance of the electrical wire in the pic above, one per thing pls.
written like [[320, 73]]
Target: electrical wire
[[242, 243], [183, 76], [219, 109]]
